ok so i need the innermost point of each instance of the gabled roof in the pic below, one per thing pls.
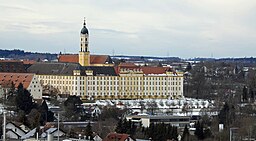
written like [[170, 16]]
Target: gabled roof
[[6, 79], [100, 59], [28, 62], [10, 130], [94, 59], [29, 134], [53, 68], [69, 58], [68, 68], [154, 70], [51, 131], [11, 66]]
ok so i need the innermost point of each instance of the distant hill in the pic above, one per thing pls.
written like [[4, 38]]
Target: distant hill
[[21, 54], [146, 58], [249, 60]]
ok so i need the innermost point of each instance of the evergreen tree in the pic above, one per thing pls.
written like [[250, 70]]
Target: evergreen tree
[[151, 130], [33, 119], [73, 108], [227, 114], [185, 135], [24, 100], [124, 126], [245, 95], [129, 127], [161, 132], [207, 133], [175, 133], [46, 115], [252, 96], [88, 132], [169, 129], [189, 67], [119, 126], [199, 130]]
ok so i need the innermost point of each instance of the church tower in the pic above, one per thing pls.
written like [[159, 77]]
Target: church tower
[[84, 53]]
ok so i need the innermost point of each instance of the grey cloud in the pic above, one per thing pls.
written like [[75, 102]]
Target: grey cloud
[[17, 7], [110, 31]]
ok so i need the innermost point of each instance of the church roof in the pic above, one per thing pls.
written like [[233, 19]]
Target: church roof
[[69, 58], [53, 68], [59, 68], [94, 59]]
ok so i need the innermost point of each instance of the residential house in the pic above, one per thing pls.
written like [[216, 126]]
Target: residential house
[[118, 137], [14, 130], [54, 132]]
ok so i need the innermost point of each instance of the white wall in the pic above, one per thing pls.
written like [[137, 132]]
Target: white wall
[[35, 88]]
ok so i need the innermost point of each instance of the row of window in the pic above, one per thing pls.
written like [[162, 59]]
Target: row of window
[[109, 78]]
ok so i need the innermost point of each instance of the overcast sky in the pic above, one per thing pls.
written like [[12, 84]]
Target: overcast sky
[[180, 28]]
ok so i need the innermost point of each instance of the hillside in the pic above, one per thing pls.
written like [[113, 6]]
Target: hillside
[[22, 55]]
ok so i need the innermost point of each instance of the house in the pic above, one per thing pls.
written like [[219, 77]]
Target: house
[[54, 132], [30, 134], [96, 138], [62, 97], [95, 111], [12, 135], [146, 120], [14, 130], [29, 81], [118, 137]]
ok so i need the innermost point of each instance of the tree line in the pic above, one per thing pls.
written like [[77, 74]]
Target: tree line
[[155, 132]]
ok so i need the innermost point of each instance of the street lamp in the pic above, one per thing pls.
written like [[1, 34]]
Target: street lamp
[[4, 127], [58, 126]]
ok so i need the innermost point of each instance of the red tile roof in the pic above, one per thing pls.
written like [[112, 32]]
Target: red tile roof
[[69, 58], [6, 79], [116, 137], [74, 58], [154, 70], [28, 62]]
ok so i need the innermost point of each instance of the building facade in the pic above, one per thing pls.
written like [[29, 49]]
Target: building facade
[[29, 80], [95, 77]]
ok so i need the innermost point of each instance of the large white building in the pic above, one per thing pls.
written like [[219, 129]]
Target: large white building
[[96, 77]]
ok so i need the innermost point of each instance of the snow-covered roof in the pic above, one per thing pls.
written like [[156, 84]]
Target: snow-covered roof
[[29, 134]]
